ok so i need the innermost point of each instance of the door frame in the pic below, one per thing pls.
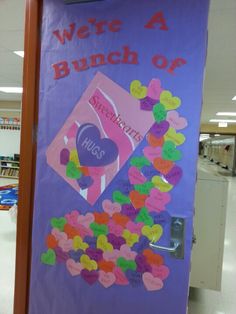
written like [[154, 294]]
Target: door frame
[[27, 154]]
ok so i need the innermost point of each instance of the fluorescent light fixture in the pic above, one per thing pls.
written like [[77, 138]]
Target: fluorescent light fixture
[[11, 90], [223, 120], [20, 53], [9, 110], [222, 124], [230, 114], [234, 98], [217, 134]]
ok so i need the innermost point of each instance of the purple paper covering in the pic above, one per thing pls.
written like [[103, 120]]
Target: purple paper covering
[[172, 50]]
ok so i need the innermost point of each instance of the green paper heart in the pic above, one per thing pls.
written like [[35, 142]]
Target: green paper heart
[[48, 258], [159, 113], [58, 223], [169, 152], [143, 216], [72, 171], [140, 162], [98, 229], [120, 198], [126, 264], [144, 188]]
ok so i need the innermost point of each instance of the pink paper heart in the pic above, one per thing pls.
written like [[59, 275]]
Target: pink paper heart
[[175, 121], [59, 235], [135, 176], [85, 220], [157, 200], [127, 253], [115, 229], [111, 256], [111, 208], [161, 272], [152, 152], [120, 277], [154, 89], [106, 279], [72, 218], [83, 231], [73, 267], [152, 283], [72, 131], [65, 245], [135, 227]]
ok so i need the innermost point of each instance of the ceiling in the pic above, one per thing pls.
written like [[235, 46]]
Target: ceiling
[[220, 80]]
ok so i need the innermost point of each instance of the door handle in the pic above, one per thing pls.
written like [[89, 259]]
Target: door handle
[[176, 248]]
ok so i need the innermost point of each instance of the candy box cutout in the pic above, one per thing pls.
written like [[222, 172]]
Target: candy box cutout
[[98, 137]]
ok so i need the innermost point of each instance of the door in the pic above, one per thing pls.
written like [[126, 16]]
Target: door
[[117, 144]]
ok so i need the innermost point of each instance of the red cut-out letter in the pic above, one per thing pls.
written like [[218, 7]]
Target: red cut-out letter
[[130, 57], [65, 35], [100, 27], [158, 18], [111, 56], [80, 65], [83, 32], [61, 70], [114, 26], [178, 62], [98, 59], [160, 61]]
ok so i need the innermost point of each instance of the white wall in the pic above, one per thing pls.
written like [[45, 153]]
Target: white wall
[[9, 142]]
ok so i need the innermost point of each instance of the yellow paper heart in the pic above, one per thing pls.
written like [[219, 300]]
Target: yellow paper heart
[[161, 184], [168, 101], [87, 263], [130, 238], [152, 233], [137, 90], [103, 244], [177, 138], [74, 157], [78, 244]]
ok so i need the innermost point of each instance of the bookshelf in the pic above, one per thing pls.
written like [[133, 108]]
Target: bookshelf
[[9, 168]]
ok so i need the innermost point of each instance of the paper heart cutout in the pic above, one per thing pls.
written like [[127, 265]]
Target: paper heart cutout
[[115, 241], [127, 253], [147, 103], [65, 245], [159, 129], [120, 277], [120, 198], [152, 283], [144, 217], [94, 151], [168, 101], [154, 141], [85, 220], [174, 176], [58, 223], [78, 244], [142, 264], [106, 266], [89, 276], [135, 176], [130, 238], [139, 162], [58, 234], [51, 241], [115, 228], [48, 258], [154, 89], [126, 264], [71, 133], [74, 157], [157, 200], [144, 188], [73, 267], [112, 256], [61, 256], [111, 208], [95, 254], [176, 138], [88, 263], [103, 244], [72, 218], [106, 279], [101, 218], [64, 156], [161, 185], [120, 219], [176, 121], [153, 258], [72, 171], [85, 181], [71, 232], [152, 152], [137, 90], [135, 227], [152, 233], [169, 152], [159, 113], [162, 165], [161, 271], [137, 199], [99, 229]]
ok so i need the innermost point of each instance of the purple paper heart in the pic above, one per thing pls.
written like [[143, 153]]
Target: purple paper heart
[[115, 241], [141, 245], [92, 150], [95, 254], [64, 156], [61, 256], [129, 210], [135, 278], [160, 129], [85, 182], [147, 103], [92, 242], [142, 265], [89, 276], [124, 186], [174, 175], [161, 218], [75, 255]]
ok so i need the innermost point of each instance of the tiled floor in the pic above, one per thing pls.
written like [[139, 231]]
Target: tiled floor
[[224, 302], [201, 301]]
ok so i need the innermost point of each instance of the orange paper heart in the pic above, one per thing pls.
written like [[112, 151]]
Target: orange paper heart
[[101, 218], [164, 166], [120, 219], [71, 231], [106, 266], [152, 258], [153, 141], [51, 241], [137, 199]]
